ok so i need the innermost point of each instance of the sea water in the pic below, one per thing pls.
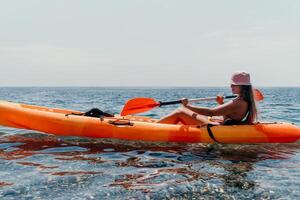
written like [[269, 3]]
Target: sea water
[[40, 166]]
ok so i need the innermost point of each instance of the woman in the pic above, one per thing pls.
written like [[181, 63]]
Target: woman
[[241, 110]]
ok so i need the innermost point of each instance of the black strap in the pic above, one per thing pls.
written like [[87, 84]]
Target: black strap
[[210, 133]]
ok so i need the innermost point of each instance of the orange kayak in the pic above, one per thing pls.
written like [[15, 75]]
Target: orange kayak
[[55, 121]]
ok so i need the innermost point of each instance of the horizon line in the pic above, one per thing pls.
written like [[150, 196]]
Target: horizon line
[[130, 86]]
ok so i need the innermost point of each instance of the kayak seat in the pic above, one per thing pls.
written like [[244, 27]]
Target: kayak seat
[[96, 112]]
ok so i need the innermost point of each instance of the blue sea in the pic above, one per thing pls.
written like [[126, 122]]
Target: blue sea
[[34, 165]]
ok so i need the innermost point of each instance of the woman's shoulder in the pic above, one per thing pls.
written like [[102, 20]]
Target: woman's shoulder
[[240, 101]]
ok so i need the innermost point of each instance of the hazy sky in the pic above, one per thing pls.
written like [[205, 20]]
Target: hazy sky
[[148, 42]]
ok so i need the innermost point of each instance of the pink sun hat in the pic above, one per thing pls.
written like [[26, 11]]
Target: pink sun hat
[[240, 78]]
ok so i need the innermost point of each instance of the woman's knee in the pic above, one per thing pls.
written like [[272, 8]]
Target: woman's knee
[[177, 113], [179, 110]]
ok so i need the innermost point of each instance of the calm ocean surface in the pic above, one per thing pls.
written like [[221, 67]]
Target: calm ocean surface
[[40, 166]]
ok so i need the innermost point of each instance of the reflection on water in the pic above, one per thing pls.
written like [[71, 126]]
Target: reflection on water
[[73, 173], [5, 184], [116, 168]]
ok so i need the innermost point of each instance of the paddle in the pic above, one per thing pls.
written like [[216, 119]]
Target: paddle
[[143, 104]]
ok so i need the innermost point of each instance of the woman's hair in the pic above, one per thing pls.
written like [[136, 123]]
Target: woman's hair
[[247, 94]]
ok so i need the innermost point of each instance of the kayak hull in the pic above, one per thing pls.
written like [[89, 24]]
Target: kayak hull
[[55, 121]]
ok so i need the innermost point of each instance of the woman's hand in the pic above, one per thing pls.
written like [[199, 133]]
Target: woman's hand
[[220, 99], [184, 101]]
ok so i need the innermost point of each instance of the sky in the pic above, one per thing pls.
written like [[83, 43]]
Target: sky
[[148, 42]]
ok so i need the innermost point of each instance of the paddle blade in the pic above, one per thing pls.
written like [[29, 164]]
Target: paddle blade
[[138, 105], [258, 95]]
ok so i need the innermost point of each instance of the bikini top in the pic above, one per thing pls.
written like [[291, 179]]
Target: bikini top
[[244, 120]]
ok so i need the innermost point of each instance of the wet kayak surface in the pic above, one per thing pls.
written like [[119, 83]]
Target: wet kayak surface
[[39, 166]]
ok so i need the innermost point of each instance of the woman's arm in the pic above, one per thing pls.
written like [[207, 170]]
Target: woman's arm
[[224, 109]]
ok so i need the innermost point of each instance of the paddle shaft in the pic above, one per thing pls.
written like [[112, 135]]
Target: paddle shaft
[[143, 104], [193, 100]]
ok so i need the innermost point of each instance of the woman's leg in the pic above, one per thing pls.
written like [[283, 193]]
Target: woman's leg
[[184, 116]]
